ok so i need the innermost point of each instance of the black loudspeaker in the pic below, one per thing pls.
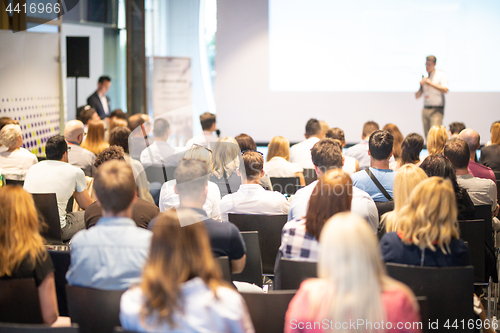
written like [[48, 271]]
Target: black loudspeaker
[[77, 56]]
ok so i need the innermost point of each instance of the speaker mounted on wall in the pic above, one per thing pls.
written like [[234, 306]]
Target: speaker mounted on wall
[[77, 56]]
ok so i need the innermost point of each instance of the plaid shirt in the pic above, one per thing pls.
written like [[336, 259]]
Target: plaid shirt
[[297, 244]]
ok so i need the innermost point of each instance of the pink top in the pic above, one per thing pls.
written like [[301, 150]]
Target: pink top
[[400, 308], [481, 171]]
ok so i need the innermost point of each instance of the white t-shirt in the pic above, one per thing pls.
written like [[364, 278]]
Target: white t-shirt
[[300, 153], [349, 165], [169, 199], [56, 177], [15, 164], [279, 167], [432, 96], [158, 152], [206, 139]]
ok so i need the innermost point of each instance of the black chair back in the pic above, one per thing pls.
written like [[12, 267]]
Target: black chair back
[[310, 176], [14, 182], [269, 228], [225, 268], [19, 302], [285, 185], [252, 273], [473, 233], [61, 260], [268, 310], [424, 313], [497, 177], [448, 290], [483, 212], [48, 212], [159, 174], [292, 273], [94, 310], [24, 328]]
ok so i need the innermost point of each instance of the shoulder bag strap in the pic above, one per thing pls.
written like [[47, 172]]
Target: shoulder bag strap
[[377, 183]]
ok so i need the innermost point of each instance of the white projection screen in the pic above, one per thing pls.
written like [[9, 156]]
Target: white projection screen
[[281, 62]]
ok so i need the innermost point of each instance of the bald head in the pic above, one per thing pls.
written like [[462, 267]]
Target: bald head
[[472, 138], [73, 131]]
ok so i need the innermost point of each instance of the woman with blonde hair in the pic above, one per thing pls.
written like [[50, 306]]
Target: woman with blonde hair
[[95, 141], [16, 160], [182, 288], [22, 251], [436, 139], [406, 179], [226, 160], [278, 161], [490, 155], [169, 199], [352, 285]]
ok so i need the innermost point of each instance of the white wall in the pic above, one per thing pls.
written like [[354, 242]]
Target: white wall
[[245, 104]]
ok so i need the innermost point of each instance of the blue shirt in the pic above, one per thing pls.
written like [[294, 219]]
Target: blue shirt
[[385, 177], [110, 255]]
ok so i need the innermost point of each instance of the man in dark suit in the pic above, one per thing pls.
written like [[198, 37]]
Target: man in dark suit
[[99, 100]]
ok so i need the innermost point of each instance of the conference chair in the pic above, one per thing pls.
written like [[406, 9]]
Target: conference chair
[[285, 185], [449, 291], [268, 310], [120, 329], [424, 313], [252, 273], [497, 177], [19, 302], [94, 310], [48, 212], [483, 212], [26, 328], [225, 268], [159, 174], [310, 176], [291, 273], [14, 182], [269, 228], [61, 260]]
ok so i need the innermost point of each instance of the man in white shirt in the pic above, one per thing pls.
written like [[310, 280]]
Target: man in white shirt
[[98, 100], [252, 198], [326, 155], [360, 151], [206, 139], [78, 156], [300, 153], [159, 152], [56, 175], [433, 86]]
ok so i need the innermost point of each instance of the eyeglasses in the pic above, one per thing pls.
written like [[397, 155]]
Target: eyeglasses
[[195, 145], [251, 150]]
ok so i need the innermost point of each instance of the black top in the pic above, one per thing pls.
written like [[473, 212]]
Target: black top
[[95, 102], [142, 213], [234, 182], [26, 270], [465, 206], [394, 250], [490, 156]]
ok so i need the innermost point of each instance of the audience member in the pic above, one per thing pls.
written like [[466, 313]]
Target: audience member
[[118, 114], [6, 121], [226, 160], [138, 140], [192, 187], [455, 129], [326, 155], [119, 136], [439, 166], [278, 160], [56, 175], [22, 251], [405, 180], [352, 283], [16, 160], [98, 100], [182, 288], [142, 210], [360, 151], [436, 139], [380, 151], [246, 142], [300, 153], [85, 114], [95, 137], [473, 141], [117, 122], [206, 139], [396, 149], [78, 156], [251, 198], [490, 155], [169, 199], [111, 255], [351, 165], [324, 127], [332, 194], [159, 152], [410, 149]]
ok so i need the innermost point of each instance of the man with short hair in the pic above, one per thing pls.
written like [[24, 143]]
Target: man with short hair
[[300, 153], [380, 151], [192, 187], [111, 255], [473, 141], [326, 155], [159, 152], [351, 165], [455, 129], [251, 197], [77, 156], [56, 175], [206, 139], [85, 114], [98, 100], [360, 151]]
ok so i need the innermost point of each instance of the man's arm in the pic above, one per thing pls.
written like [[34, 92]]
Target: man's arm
[[441, 89], [237, 265], [83, 198]]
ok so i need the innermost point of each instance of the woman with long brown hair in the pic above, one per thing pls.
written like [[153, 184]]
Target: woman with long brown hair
[[182, 289], [22, 251], [396, 147], [95, 141]]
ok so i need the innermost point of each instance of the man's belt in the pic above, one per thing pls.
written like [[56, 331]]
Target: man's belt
[[432, 107]]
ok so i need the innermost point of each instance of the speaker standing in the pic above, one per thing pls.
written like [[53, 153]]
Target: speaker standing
[[98, 100]]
